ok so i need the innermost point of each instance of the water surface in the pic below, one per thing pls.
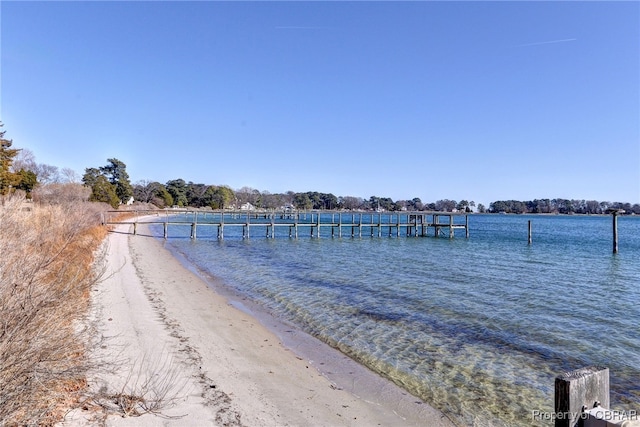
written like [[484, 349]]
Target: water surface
[[477, 327]]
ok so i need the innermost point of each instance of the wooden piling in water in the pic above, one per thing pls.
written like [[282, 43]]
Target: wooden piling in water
[[466, 226], [529, 239], [451, 232], [579, 390], [615, 213]]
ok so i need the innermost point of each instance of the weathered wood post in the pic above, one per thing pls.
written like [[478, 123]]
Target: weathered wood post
[[615, 232], [615, 213], [451, 230], [221, 234], [372, 227], [166, 232], [135, 228], [578, 390], [194, 224], [466, 226], [529, 239], [248, 224]]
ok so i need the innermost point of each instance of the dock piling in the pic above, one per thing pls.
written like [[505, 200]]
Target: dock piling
[[579, 390], [615, 213]]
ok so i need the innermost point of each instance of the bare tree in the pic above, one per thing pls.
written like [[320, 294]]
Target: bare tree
[[24, 160], [47, 174], [69, 176]]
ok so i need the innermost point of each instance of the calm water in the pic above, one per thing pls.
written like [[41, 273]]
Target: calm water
[[478, 328]]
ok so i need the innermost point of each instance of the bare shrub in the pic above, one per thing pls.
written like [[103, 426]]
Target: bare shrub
[[69, 193], [151, 386], [46, 272]]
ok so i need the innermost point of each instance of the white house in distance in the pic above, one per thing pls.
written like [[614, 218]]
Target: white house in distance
[[247, 207]]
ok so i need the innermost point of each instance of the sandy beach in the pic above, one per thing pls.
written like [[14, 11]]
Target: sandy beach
[[164, 330]]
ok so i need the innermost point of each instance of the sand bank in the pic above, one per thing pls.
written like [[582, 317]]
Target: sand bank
[[216, 364]]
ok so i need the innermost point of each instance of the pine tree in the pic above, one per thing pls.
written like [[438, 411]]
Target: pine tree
[[8, 179]]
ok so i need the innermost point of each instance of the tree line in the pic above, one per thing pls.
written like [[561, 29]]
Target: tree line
[[179, 192], [111, 184], [561, 206]]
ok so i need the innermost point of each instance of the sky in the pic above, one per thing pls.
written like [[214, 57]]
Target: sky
[[480, 101]]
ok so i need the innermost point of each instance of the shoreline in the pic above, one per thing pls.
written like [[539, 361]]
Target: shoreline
[[231, 363]]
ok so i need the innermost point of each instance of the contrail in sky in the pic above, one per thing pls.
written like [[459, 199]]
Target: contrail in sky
[[549, 42], [295, 27]]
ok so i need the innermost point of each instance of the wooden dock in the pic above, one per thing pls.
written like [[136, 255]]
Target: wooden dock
[[294, 224]]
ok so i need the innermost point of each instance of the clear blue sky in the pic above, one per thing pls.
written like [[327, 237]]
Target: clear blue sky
[[480, 101]]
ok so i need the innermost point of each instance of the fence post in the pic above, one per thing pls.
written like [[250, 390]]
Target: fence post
[[578, 390]]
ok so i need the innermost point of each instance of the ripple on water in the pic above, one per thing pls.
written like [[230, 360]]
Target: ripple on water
[[478, 328]]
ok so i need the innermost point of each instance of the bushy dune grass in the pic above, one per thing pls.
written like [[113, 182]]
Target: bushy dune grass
[[49, 260]]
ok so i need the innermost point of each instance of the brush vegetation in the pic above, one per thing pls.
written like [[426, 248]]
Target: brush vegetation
[[48, 265]]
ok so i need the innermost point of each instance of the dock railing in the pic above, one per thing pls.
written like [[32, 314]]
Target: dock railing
[[349, 223]]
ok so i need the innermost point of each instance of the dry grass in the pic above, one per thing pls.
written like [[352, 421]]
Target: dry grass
[[151, 386], [48, 255]]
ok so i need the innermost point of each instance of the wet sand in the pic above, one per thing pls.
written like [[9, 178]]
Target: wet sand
[[219, 361]]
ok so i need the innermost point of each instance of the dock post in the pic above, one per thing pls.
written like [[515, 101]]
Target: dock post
[[135, 228], [248, 222], [451, 232], [166, 231], [360, 226], [529, 240], [466, 226], [398, 227], [371, 225], [193, 230], [353, 221], [615, 213], [415, 226], [578, 390], [379, 224], [273, 225], [615, 232]]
